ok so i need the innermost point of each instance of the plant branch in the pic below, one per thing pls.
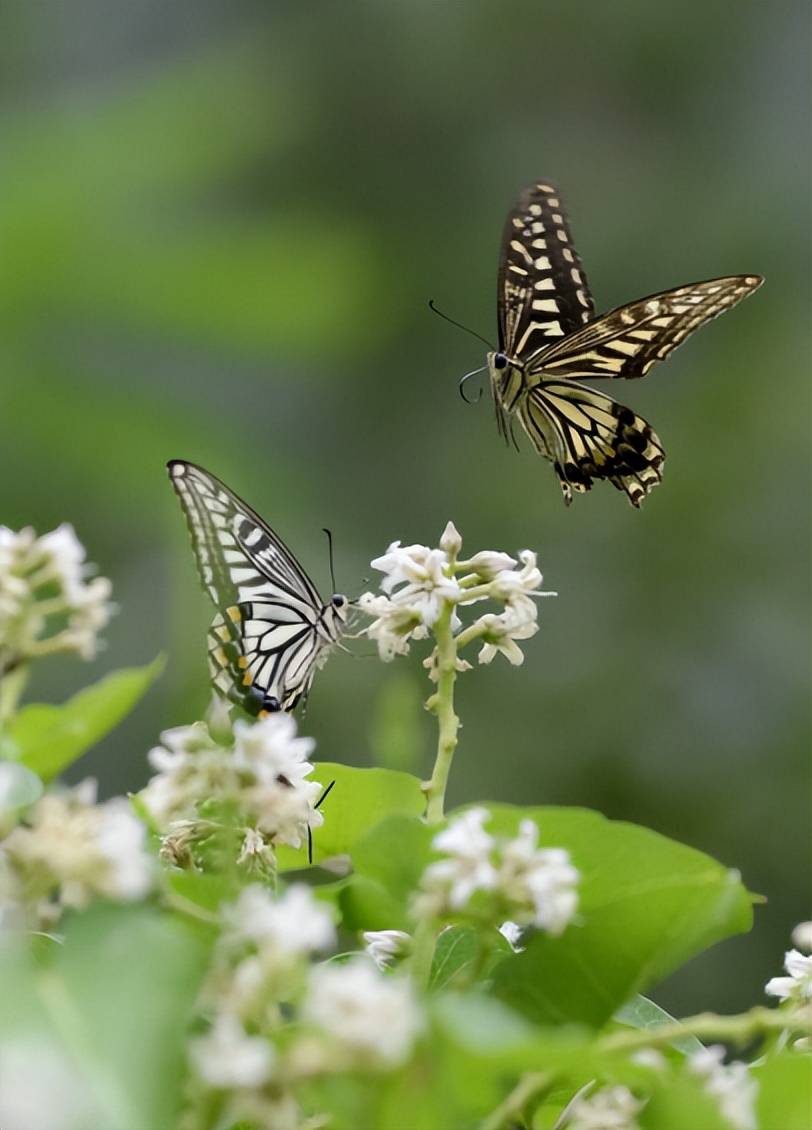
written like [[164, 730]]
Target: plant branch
[[707, 1025], [442, 703], [529, 1087]]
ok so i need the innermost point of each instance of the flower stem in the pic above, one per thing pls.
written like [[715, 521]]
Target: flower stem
[[12, 684], [529, 1087], [442, 703], [708, 1026]]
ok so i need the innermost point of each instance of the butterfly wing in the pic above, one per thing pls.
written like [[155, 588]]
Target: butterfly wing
[[588, 436], [627, 341], [542, 292], [266, 639]]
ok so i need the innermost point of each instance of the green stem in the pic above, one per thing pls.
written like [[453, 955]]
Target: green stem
[[12, 684], [707, 1025], [442, 703], [529, 1087]]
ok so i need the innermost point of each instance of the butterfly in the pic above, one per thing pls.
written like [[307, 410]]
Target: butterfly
[[272, 630], [549, 336]]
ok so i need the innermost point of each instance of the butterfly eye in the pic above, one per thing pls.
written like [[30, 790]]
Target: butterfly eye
[[339, 601], [499, 361]]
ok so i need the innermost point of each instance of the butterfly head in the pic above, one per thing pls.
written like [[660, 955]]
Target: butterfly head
[[507, 384], [340, 607]]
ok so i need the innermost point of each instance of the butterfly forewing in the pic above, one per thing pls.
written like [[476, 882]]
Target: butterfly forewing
[[627, 341], [542, 291], [272, 626]]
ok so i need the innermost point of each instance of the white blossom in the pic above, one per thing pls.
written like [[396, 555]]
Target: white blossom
[[46, 602], [227, 1057], [802, 936], [294, 922], [394, 625], [499, 633], [75, 848], [468, 867], [731, 1085], [540, 883], [512, 933], [797, 986], [610, 1108], [264, 777], [371, 1018], [383, 946], [419, 582]]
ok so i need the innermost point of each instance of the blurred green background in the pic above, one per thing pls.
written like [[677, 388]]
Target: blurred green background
[[220, 222]]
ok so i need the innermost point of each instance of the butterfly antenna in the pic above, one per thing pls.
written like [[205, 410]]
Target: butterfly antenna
[[318, 803], [330, 551], [459, 325], [467, 377]]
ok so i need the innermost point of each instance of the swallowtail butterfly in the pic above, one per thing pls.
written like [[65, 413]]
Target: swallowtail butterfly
[[549, 335], [272, 630]]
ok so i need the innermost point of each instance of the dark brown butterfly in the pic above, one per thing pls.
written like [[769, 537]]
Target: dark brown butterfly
[[549, 336]]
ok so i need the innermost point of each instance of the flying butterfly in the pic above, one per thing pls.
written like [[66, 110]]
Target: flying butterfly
[[272, 630], [549, 336]]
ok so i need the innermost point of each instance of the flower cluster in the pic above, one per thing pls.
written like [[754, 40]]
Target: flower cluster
[[420, 584], [260, 782], [70, 849], [610, 1108], [47, 604], [521, 882], [347, 1015], [731, 1085]]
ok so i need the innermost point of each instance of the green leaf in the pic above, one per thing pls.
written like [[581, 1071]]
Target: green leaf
[[360, 799], [458, 953], [19, 787], [395, 854], [647, 904], [50, 738], [640, 1012], [367, 905], [113, 1005], [785, 1092]]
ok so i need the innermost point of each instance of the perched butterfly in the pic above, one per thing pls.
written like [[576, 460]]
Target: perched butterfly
[[548, 335], [272, 630]]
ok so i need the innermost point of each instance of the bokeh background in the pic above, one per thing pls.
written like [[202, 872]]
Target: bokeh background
[[220, 223]]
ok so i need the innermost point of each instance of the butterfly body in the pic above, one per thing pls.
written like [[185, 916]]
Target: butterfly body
[[550, 340], [272, 630]]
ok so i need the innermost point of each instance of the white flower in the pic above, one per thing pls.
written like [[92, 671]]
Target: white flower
[[649, 1057], [516, 586], [468, 868], [385, 945], [264, 777], [488, 563], [512, 933], [227, 1057], [425, 577], [394, 625], [372, 1018], [77, 849], [292, 923], [802, 936], [271, 749], [610, 1108], [540, 883], [501, 632], [46, 605], [731, 1085], [798, 985], [450, 541]]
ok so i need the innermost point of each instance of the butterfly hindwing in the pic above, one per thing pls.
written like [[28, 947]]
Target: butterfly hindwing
[[272, 626], [628, 341], [587, 436], [543, 294]]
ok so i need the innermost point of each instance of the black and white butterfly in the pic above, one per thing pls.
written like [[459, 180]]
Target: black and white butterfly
[[549, 335], [272, 630]]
